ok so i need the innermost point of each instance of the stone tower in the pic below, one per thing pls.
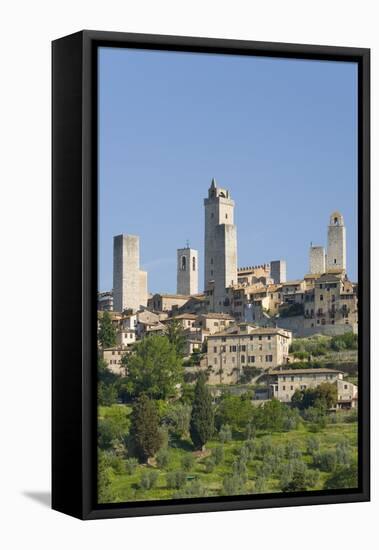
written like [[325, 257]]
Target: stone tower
[[278, 271], [220, 244], [316, 259], [129, 282], [187, 271], [336, 253]]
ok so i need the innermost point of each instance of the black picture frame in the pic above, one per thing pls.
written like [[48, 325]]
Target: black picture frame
[[74, 271]]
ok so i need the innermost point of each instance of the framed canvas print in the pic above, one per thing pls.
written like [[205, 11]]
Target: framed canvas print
[[210, 274]]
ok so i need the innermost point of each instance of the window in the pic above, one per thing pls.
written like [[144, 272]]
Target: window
[[292, 378], [193, 263], [291, 387], [321, 297], [268, 358], [242, 358], [251, 359], [184, 263], [215, 349], [243, 348], [223, 348], [226, 216], [268, 337], [345, 387], [284, 388]]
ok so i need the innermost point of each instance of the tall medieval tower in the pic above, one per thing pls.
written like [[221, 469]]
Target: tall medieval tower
[[187, 271], [220, 245], [129, 282], [336, 253]]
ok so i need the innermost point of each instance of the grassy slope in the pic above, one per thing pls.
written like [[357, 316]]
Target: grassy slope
[[125, 487]]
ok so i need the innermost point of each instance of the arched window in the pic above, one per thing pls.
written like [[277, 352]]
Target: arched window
[[184, 263], [193, 263]]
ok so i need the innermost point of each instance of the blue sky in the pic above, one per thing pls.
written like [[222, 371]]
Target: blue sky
[[280, 134]]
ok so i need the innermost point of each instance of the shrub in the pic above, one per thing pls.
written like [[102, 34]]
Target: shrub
[[163, 458], [260, 485], [209, 465], [325, 461], [175, 480], [233, 485], [292, 451], [297, 477], [187, 462], [344, 477], [218, 454], [192, 490], [148, 479], [131, 465], [313, 445], [343, 454], [225, 434]]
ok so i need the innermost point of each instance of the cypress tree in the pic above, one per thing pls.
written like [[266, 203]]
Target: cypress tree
[[146, 437], [202, 416]]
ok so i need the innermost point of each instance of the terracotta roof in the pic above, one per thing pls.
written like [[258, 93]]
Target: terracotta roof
[[217, 316], [258, 331], [183, 316], [304, 371]]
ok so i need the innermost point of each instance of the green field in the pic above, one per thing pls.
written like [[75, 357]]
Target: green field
[[201, 479]]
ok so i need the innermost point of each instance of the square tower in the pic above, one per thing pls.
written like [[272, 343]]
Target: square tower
[[126, 273], [220, 244], [336, 254], [187, 271], [316, 260], [278, 271]]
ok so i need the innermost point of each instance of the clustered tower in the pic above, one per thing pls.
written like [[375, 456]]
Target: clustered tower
[[335, 257], [220, 244]]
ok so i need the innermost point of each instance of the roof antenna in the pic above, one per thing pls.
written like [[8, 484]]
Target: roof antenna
[[187, 243]]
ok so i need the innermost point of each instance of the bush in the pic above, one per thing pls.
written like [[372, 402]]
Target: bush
[[325, 461], [175, 480], [345, 477], [131, 465], [218, 454], [225, 434], [344, 455], [187, 462], [233, 485], [163, 458], [313, 445], [210, 465], [297, 477], [260, 485], [148, 480], [194, 489], [292, 451]]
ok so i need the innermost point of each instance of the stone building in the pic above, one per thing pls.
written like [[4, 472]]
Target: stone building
[[129, 282], [105, 301], [316, 260], [166, 302], [232, 352], [335, 301], [187, 271], [336, 253], [278, 271], [113, 359], [220, 245], [251, 275], [284, 383]]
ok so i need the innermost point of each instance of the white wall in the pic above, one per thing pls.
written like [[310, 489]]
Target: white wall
[[27, 28]]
